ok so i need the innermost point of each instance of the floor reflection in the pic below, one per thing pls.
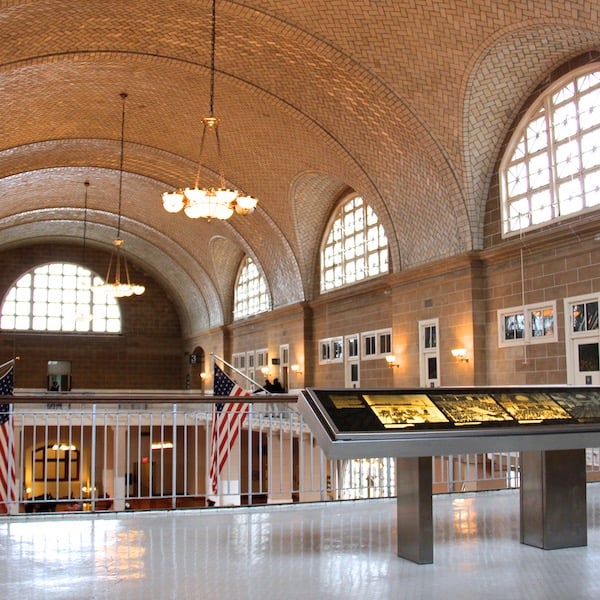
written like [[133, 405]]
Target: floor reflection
[[327, 551]]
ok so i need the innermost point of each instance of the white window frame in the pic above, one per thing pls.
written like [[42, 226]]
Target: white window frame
[[524, 316], [58, 297], [239, 361], [251, 293], [569, 326], [355, 246], [331, 350], [550, 170], [284, 355], [376, 344], [429, 349], [576, 334], [352, 344], [262, 358], [352, 360]]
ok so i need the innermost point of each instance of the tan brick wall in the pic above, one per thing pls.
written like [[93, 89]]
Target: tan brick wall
[[147, 355]]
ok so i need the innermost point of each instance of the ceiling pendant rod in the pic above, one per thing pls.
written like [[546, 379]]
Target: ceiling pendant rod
[[119, 287], [123, 98], [210, 202]]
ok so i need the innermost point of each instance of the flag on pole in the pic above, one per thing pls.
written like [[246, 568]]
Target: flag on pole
[[8, 477], [227, 421]]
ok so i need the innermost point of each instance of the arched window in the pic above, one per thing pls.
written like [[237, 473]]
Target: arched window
[[251, 295], [551, 169], [356, 246], [58, 297]]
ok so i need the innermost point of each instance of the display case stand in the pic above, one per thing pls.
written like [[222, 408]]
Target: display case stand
[[553, 499], [414, 509]]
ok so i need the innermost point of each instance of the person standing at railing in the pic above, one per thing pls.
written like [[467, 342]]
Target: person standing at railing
[[276, 387]]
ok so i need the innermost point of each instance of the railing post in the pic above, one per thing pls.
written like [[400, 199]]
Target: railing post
[[174, 459], [93, 460]]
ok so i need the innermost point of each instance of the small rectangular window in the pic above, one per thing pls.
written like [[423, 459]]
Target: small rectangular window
[[530, 324], [262, 357], [331, 350], [369, 345], [376, 344], [352, 346]]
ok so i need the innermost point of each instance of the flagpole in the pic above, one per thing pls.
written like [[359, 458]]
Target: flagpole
[[9, 362], [217, 357]]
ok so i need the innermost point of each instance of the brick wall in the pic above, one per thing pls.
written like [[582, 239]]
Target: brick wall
[[148, 354]]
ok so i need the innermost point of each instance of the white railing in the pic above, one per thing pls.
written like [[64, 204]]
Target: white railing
[[88, 455]]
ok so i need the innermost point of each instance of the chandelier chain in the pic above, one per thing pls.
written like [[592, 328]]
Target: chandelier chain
[[123, 98]]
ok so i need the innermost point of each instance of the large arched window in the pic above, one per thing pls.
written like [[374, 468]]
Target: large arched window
[[58, 297], [355, 248], [251, 294], [551, 169]]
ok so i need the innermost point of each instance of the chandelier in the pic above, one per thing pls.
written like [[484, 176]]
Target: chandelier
[[117, 283], [210, 202]]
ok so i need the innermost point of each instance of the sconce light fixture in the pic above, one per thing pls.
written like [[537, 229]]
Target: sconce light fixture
[[460, 354], [161, 445], [203, 376], [265, 371], [391, 361], [296, 369]]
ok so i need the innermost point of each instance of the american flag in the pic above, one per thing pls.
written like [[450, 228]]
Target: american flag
[[8, 478], [227, 421]]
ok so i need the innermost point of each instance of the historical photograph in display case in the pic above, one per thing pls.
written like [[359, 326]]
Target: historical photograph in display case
[[584, 407], [353, 411], [535, 407], [472, 409], [399, 411]]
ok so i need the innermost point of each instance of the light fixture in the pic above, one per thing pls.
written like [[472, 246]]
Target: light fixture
[[460, 354], [391, 361], [203, 376], [161, 445], [64, 447], [210, 202], [265, 371], [296, 369], [117, 283]]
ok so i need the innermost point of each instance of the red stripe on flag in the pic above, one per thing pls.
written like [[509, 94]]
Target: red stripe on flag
[[227, 422]]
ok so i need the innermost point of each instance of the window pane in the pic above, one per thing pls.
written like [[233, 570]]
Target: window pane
[[565, 122], [251, 294], [360, 233], [60, 292], [563, 167]]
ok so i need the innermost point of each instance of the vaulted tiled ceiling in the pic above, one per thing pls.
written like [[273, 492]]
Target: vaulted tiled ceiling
[[406, 103]]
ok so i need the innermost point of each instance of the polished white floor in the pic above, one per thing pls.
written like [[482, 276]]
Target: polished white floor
[[325, 551]]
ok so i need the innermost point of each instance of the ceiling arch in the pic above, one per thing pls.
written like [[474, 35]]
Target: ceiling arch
[[405, 106]]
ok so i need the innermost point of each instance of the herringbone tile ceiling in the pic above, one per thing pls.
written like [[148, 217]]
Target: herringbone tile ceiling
[[406, 103]]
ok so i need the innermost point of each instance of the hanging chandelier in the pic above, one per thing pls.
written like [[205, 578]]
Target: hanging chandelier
[[210, 202], [117, 283]]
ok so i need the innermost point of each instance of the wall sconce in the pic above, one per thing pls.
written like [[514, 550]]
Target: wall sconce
[[203, 376], [296, 369], [391, 361], [265, 371], [460, 354]]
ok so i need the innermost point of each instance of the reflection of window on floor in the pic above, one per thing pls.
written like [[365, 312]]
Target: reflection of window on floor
[[58, 462], [368, 478]]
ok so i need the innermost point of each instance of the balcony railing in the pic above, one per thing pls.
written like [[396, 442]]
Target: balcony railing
[[148, 451]]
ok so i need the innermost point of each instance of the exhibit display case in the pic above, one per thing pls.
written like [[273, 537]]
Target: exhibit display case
[[549, 426], [428, 422]]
